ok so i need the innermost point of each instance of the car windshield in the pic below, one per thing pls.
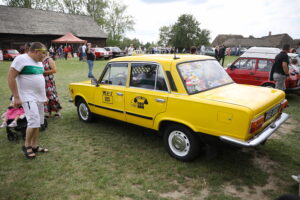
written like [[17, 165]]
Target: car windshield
[[100, 49], [12, 51], [203, 75], [116, 49]]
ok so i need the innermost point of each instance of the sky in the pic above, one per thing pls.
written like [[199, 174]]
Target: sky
[[243, 17]]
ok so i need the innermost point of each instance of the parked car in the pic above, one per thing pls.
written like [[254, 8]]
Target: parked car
[[116, 51], [254, 66], [209, 51], [189, 99], [101, 53], [10, 54]]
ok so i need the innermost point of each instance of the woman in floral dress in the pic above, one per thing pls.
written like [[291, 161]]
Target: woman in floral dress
[[53, 105]]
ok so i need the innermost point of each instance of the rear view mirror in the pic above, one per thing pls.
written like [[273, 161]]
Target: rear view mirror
[[94, 81]]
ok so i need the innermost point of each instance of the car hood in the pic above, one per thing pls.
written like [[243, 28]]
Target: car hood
[[253, 97]]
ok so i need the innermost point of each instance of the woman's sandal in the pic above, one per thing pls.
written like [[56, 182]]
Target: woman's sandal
[[39, 150], [28, 154]]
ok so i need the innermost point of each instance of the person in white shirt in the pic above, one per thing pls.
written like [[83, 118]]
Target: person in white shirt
[[130, 50], [27, 84], [1, 55]]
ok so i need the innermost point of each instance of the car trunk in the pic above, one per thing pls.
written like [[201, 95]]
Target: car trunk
[[261, 98]]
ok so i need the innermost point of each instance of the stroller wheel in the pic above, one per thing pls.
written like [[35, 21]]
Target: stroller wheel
[[11, 137]]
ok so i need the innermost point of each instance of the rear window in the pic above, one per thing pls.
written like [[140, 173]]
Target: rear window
[[12, 51], [203, 75]]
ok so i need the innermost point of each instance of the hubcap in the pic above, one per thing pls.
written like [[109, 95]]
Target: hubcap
[[179, 143], [83, 111]]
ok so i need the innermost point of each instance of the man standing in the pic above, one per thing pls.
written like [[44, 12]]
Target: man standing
[[90, 56], [280, 69], [27, 84], [222, 54]]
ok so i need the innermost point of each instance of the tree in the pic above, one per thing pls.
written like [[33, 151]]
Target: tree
[[75, 7], [186, 33], [164, 36], [19, 3], [117, 22], [52, 5], [96, 8]]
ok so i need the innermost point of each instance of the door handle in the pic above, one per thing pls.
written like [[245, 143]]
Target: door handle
[[119, 93], [251, 73], [160, 100]]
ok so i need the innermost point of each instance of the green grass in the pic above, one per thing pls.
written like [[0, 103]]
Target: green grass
[[109, 159]]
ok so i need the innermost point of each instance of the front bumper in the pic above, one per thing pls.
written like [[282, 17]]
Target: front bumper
[[260, 138]]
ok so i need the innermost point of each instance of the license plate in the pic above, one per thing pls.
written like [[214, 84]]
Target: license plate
[[272, 112]]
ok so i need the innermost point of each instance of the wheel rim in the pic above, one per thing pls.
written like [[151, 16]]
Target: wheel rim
[[83, 111], [179, 143]]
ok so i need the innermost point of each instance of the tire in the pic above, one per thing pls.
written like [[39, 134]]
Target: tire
[[269, 85], [181, 143], [84, 112]]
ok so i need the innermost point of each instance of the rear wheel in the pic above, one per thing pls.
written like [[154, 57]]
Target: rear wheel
[[269, 85], [181, 143], [84, 112]]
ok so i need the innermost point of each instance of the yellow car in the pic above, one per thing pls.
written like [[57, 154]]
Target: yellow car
[[187, 98]]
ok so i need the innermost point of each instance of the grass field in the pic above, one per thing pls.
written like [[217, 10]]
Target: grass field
[[111, 160]]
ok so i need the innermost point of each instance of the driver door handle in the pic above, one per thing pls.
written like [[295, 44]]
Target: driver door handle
[[119, 93], [160, 100], [251, 73]]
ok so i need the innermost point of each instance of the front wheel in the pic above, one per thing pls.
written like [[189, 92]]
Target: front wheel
[[181, 143], [84, 112]]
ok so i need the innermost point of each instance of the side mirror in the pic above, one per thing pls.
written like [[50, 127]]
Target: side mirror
[[94, 82]]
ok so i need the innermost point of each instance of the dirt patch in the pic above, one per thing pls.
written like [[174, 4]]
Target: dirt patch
[[285, 129], [257, 192], [186, 191]]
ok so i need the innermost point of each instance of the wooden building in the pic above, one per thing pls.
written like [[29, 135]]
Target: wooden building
[[267, 41], [21, 25]]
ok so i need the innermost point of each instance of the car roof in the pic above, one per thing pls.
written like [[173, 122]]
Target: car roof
[[261, 52], [162, 58]]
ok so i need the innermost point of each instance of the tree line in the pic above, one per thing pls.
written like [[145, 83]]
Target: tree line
[[112, 17]]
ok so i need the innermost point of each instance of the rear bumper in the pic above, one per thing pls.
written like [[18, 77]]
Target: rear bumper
[[260, 138], [293, 90]]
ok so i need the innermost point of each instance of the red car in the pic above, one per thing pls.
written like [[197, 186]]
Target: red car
[[254, 66], [102, 53], [10, 54]]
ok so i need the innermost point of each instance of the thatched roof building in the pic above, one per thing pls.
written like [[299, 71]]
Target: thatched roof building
[[266, 41], [20, 25]]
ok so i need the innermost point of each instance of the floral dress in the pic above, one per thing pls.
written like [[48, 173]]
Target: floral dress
[[51, 93]]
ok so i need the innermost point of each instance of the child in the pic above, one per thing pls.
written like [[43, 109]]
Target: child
[[12, 113]]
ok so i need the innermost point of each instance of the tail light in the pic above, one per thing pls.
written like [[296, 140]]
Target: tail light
[[284, 104], [256, 124]]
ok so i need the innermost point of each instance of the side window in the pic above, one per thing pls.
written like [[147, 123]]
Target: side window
[[115, 74], [245, 64], [149, 76], [264, 65]]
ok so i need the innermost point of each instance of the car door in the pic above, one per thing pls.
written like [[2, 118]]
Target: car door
[[242, 71], [147, 94], [109, 96], [262, 71]]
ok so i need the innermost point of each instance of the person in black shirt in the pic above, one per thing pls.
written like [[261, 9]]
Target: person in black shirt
[[90, 56], [221, 55], [280, 69]]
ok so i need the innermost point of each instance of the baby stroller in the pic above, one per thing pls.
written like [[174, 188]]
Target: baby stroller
[[15, 121], [15, 133]]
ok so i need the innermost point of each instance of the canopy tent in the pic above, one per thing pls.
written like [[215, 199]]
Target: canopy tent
[[69, 38]]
